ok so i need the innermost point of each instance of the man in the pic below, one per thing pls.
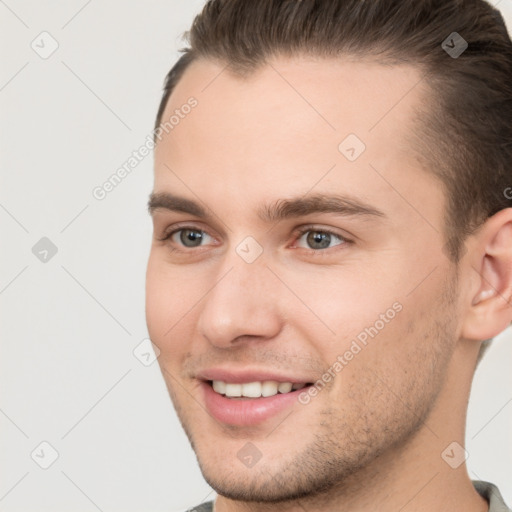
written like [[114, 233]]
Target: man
[[332, 244]]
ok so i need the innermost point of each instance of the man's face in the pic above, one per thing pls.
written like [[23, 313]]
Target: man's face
[[237, 297]]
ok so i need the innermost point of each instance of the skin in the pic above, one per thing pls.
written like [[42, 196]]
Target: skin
[[372, 438]]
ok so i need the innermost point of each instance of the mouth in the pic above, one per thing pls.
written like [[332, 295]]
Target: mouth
[[256, 389], [249, 403]]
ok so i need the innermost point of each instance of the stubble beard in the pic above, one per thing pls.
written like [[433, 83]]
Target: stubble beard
[[345, 450]]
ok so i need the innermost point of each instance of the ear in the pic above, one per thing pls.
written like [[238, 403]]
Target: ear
[[489, 307]]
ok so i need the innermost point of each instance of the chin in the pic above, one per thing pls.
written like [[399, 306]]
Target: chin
[[310, 472]]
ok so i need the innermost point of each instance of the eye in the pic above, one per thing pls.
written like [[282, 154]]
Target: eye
[[188, 237], [318, 239], [309, 238]]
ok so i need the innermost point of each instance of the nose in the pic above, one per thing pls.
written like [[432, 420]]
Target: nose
[[241, 305]]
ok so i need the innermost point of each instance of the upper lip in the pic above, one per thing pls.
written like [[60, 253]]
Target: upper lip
[[247, 375]]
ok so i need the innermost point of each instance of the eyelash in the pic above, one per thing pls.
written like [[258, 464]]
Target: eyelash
[[298, 236]]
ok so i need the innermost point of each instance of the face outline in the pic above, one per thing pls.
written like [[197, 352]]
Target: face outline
[[291, 312]]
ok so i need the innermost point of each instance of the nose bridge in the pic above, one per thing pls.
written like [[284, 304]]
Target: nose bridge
[[240, 302]]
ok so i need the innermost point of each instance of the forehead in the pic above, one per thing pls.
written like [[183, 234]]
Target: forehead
[[330, 95], [286, 126]]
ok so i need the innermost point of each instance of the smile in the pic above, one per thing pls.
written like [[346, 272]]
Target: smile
[[246, 404], [254, 389]]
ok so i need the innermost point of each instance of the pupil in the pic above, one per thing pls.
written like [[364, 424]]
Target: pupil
[[323, 239], [191, 238]]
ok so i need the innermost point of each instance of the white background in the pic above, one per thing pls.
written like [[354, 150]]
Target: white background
[[69, 326]]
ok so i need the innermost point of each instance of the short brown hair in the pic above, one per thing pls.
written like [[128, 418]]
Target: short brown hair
[[465, 134]]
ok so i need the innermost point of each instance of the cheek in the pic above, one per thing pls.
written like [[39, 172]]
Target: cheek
[[155, 302], [338, 304], [172, 295], [367, 318], [164, 302]]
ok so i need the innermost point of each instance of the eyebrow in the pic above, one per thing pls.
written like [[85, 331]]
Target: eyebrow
[[278, 210]]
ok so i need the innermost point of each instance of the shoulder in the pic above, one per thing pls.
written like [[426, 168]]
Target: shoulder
[[492, 494], [204, 507]]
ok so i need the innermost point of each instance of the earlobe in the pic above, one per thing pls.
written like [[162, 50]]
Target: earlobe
[[490, 308]]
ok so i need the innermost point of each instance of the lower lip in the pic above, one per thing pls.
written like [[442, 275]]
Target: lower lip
[[249, 411]]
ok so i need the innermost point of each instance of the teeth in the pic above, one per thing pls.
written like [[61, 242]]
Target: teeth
[[233, 389], [254, 389], [219, 386], [251, 389], [284, 387], [269, 388]]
